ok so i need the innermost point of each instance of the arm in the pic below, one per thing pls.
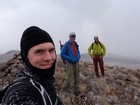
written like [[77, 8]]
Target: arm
[[64, 52], [104, 49], [90, 50]]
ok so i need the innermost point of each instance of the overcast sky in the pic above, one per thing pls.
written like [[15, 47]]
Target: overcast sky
[[116, 22]]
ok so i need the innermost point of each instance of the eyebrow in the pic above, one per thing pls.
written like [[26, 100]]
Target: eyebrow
[[52, 48]]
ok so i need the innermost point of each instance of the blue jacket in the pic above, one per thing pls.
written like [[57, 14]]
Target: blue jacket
[[67, 52]]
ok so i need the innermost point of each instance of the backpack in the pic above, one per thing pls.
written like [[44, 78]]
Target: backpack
[[61, 45]]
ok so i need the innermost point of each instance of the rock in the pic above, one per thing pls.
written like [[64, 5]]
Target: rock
[[120, 86]]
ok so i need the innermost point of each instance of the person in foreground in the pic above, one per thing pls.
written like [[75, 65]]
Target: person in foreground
[[97, 51], [34, 83], [70, 53]]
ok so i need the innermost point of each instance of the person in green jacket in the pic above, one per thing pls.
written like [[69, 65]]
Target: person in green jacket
[[97, 51]]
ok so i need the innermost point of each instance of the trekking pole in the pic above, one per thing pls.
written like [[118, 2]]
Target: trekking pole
[[60, 44]]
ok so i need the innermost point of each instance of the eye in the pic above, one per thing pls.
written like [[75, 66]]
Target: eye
[[39, 51], [52, 50]]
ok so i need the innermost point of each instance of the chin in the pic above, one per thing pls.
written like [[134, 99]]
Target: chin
[[46, 67]]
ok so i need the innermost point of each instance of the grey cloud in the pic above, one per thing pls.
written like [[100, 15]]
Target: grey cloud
[[116, 22]]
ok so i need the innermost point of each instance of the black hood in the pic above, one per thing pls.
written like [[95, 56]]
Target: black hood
[[33, 36]]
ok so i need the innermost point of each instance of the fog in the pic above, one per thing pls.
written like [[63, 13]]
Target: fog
[[116, 22]]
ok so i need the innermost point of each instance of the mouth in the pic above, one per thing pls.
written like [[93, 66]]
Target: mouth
[[46, 66]]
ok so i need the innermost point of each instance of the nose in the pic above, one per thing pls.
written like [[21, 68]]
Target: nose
[[47, 56]]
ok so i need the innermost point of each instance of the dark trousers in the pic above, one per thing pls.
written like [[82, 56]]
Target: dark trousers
[[98, 60]]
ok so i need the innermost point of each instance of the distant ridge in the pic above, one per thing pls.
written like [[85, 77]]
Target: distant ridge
[[7, 56], [116, 60], [110, 59]]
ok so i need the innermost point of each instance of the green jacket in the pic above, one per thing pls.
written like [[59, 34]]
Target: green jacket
[[97, 49]]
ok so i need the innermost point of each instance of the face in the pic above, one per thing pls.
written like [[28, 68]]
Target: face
[[42, 56], [96, 39], [72, 38]]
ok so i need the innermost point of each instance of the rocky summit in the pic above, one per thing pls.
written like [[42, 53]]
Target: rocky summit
[[120, 86]]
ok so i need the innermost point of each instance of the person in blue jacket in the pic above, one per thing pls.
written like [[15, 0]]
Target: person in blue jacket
[[71, 54]]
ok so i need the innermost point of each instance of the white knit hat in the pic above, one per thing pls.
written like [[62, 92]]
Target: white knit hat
[[72, 33]]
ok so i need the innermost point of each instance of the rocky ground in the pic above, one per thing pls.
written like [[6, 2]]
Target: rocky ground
[[120, 86]]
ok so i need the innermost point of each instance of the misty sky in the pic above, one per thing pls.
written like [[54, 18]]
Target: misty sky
[[116, 22]]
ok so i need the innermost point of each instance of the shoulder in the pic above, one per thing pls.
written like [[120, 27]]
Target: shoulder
[[20, 91], [101, 43], [93, 43], [66, 43]]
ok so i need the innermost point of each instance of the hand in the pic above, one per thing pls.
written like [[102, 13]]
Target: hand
[[92, 56], [73, 60], [102, 56]]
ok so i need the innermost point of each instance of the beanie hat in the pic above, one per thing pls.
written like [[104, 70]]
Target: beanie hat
[[72, 34], [33, 36]]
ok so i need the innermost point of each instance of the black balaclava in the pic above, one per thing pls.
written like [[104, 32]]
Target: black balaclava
[[33, 36]]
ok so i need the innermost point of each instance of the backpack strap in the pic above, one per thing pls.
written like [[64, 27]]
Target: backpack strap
[[42, 91], [68, 46], [100, 44]]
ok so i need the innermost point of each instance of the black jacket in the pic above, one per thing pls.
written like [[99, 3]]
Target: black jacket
[[29, 89]]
